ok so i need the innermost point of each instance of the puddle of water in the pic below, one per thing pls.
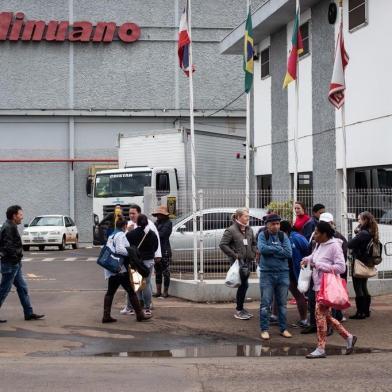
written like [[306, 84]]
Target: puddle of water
[[239, 350]]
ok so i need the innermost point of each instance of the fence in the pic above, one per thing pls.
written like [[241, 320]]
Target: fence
[[214, 215]]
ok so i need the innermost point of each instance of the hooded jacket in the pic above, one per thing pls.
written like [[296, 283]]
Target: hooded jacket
[[326, 257]]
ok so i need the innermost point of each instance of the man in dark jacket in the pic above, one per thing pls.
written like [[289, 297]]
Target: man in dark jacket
[[162, 265], [11, 262], [310, 226]]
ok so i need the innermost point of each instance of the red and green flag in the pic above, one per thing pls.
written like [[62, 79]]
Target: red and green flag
[[248, 53], [297, 48]]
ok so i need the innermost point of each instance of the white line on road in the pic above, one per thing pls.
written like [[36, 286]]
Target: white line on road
[[48, 259], [91, 258], [70, 259], [27, 259]]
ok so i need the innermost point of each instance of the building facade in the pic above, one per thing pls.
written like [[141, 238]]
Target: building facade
[[70, 85], [368, 112]]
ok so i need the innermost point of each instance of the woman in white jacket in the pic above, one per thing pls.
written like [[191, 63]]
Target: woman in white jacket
[[327, 257], [118, 244]]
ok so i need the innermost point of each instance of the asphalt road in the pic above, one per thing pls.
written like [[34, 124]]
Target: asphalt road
[[186, 346]]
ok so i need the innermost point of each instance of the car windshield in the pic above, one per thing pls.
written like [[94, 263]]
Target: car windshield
[[122, 184], [47, 221]]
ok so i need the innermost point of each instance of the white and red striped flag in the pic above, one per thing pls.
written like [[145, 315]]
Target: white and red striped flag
[[338, 85], [184, 41]]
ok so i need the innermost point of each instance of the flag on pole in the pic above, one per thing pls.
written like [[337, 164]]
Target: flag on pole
[[248, 53], [337, 86], [297, 48], [184, 42]]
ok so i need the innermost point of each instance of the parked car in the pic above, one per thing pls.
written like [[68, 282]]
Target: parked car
[[50, 230], [215, 221]]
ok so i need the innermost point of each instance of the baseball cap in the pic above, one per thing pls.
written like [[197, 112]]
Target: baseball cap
[[326, 217]]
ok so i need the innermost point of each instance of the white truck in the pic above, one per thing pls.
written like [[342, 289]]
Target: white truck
[[154, 169]]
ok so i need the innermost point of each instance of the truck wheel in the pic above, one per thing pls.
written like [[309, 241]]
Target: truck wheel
[[26, 248], [41, 248], [75, 245], [62, 246]]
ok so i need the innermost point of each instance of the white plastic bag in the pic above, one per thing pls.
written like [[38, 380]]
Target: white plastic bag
[[258, 273], [304, 278], [233, 278]]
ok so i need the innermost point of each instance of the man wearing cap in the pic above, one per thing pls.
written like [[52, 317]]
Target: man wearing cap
[[325, 217], [275, 249], [162, 265]]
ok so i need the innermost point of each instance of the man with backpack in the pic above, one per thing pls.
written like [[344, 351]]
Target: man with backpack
[[275, 249]]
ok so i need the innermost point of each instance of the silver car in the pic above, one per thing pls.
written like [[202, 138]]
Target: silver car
[[215, 221]]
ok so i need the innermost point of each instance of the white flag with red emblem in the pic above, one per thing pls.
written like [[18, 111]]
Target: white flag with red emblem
[[338, 85]]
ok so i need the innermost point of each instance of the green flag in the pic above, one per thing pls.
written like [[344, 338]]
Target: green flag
[[248, 53]]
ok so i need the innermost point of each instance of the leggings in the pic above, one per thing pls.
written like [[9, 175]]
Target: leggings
[[360, 287], [162, 271], [115, 281], [323, 318]]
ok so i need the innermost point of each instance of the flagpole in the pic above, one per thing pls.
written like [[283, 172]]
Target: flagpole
[[296, 126], [193, 159], [344, 144], [247, 144]]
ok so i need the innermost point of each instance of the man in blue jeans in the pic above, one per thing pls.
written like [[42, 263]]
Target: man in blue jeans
[[275, 250], [11, 262]]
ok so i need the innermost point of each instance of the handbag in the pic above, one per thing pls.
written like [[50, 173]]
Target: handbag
[[136, 261], [109, 260], [333, 292], [304, 279], [138, 283], [363, 271]]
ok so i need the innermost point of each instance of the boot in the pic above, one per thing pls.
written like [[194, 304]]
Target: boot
[[140, 316], [159, 291], [359, 301], [107, 307], [366, 307], [165, 292]]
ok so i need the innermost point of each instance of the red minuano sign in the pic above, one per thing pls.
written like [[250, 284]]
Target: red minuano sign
[[16, 28]]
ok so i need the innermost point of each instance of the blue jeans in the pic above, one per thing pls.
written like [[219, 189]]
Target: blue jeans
[[12, 274], [274, 284]]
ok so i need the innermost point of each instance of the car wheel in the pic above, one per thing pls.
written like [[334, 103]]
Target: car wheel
[[26, 248], [75, 245], [62, 246], [41, 248]]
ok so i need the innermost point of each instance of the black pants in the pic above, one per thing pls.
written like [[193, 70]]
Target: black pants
[[312, 305], [360, 287], [241, 292], [115, 281], [162, 271]]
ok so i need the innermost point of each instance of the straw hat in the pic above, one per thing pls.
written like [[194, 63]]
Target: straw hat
[[161, 210]]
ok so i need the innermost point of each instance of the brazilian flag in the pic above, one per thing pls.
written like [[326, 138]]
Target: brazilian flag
[[248, 53]]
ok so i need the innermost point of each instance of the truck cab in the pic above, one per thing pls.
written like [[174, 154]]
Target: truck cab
[[148, 187]]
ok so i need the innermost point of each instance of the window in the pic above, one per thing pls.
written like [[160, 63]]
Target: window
[[305, 38], [357, 13], [163, 184], [264, 188], [189, 224], [67, 222], [255, 222], [265, 62], [217, 221]]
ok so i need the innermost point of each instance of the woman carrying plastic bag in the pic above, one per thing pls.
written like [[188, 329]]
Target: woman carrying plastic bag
[[326, 260]]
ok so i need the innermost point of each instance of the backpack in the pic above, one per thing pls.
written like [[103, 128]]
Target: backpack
[[374, 252]]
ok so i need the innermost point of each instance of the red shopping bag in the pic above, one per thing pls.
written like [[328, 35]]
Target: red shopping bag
[[333, 292]]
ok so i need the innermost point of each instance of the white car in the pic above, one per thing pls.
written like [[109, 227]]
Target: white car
[[50, 230]]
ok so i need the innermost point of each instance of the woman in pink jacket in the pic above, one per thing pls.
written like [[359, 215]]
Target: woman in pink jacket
[[326, 257]]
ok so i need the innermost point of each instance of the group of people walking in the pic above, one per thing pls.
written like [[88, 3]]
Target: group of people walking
[[281, 250]]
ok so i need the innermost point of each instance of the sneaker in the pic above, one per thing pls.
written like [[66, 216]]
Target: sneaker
[[286, 334], [127, 311], [308, 330], [241, 315], [264, 335], [293, 301], [318, 353], [147, 312], [300, 324], [248, 313], [351, 340], [273, 319]]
